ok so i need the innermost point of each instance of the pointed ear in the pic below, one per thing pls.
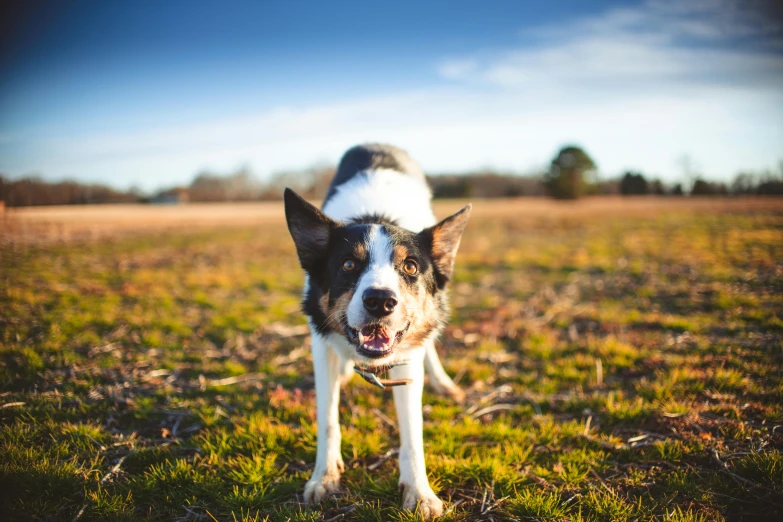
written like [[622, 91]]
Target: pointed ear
[[443, 240], [309, 227]]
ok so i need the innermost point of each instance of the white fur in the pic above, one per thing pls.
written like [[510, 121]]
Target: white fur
[[398, 196], [380, 273], [416, 490], [331, 368], [406, 200], [328, 462], [439, 379]]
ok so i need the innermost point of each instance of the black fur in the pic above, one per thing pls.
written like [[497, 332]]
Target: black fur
[[442, 241], [323, 245], [373, 219], [309, 227], [328, 276], [373, 156]]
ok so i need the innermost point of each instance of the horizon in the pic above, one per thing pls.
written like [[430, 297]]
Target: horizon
[[273, 180], [149, 96]]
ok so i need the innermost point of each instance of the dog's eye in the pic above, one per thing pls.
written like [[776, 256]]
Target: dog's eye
[[349, 264], [410, 267]]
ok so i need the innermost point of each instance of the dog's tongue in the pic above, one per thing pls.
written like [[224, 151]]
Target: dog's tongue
[[375, 338]]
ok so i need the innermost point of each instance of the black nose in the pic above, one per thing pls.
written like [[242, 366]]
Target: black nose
[[379, 302]]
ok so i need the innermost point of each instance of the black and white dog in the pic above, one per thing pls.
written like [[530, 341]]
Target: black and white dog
[[377, 267]]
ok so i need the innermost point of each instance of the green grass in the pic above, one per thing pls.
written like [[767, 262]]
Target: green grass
[[164, 377]]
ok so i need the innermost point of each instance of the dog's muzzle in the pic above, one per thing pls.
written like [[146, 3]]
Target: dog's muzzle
[[375, 340]]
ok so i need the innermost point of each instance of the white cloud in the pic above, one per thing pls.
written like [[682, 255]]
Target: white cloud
[[707, 20], [648, 48], [456, 69]]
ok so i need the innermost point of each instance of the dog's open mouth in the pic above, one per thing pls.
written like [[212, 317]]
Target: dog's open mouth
[[375, 340]]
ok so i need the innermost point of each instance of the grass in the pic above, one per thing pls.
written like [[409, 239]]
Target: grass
[[634, 360]]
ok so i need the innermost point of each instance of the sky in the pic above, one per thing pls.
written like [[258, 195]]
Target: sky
[[147, 94]]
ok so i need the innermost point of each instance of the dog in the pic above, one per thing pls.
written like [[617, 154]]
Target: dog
[[377, 267]]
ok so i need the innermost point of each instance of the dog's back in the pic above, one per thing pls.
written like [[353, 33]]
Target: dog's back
[[380, 181]]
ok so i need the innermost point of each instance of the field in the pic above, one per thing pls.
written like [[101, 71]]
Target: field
[[622, 361]]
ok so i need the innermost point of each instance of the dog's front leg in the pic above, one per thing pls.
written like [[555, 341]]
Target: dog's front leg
[[416, 490], [328, 461]]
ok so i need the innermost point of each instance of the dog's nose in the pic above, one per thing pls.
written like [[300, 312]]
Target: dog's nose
[[379, 302]]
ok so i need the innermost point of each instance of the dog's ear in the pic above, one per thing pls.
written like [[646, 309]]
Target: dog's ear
[[309, 227], [443, 241]]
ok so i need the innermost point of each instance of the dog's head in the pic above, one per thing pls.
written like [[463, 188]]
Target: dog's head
[[378, 285]]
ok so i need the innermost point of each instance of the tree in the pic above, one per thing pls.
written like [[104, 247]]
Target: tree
[[311, 183], [707, 188], [239, 185], [770, 187], [700, 188], [764, 183], [744, 183], [35, 191], [568, 175], [633, 183]]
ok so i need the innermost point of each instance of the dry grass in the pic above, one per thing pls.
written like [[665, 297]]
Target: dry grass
[[621, 357], [86, 222]]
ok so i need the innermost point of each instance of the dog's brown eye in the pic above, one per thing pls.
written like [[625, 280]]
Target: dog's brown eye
[[349, 264], [410, 267]]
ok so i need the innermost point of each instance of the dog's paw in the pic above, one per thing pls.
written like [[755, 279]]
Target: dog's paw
[[456, 394], [450, 390], [319, 487], [424, 501]]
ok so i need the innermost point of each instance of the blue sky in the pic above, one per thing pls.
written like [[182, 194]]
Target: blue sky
[[149, 93]]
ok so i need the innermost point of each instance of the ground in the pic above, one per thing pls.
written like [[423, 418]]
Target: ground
[[622, 361]]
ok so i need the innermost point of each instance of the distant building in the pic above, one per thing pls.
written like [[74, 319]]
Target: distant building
[[173, 196]]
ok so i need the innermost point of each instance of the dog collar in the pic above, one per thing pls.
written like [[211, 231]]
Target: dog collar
[[373, 379]]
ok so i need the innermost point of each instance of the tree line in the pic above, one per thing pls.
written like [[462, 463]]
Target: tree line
[[572, 174], [35, 191]]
